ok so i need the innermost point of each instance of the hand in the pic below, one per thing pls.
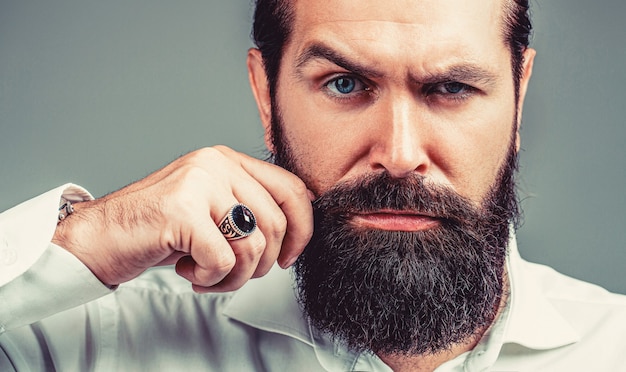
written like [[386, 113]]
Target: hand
[[172, 216]]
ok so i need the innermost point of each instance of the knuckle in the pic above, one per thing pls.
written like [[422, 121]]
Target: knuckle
[[180, 206], [190, 171], [223, 264], [182, 185], [202, 277], [168, 239], [222, 149], [279, 225], [257, 245], [188, 188], [298, 187], [207, 152], [205, 155]]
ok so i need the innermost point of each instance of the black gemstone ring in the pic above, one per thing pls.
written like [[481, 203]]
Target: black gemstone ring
[[238, 223]]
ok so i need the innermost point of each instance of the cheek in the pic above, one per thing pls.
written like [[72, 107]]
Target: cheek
[[322, 146], [466, 148], [479, 154]]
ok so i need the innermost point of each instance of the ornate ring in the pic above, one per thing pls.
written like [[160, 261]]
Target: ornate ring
[[238, 223]]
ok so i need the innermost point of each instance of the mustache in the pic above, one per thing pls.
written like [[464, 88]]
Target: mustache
[[381, 191]]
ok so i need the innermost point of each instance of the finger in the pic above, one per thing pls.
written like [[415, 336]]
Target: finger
[[291, 195], [274, 229], [211, 257], [247, 252], [247, 189], [172, 259], [271, 222], [203, 269]]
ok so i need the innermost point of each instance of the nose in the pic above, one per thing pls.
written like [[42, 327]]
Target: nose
[[399, 143]]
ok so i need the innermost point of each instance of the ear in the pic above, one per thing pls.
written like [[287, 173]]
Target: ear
[[261, 92], [529, 58]]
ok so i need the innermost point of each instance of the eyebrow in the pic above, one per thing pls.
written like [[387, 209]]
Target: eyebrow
[[463, 72], [320, 51]]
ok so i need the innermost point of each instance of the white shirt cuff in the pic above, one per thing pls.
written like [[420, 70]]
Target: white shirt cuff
[[27, 229]]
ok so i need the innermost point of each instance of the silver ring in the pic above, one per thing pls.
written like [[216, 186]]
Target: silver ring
[[238, 223]]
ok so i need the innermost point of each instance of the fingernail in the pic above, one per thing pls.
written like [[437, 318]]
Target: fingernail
[[288, 263]]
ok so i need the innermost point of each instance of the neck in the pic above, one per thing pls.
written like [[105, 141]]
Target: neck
[[429, 362]]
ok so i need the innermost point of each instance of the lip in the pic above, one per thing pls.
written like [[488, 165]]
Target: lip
[[396, 221]]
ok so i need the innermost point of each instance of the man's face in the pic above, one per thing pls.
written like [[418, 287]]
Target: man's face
[[408, 87], [401, 117]]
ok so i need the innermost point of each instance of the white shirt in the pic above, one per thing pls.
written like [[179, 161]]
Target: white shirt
[[54, 314]]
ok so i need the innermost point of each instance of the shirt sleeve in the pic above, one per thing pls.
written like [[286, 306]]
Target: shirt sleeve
[[38, 278]]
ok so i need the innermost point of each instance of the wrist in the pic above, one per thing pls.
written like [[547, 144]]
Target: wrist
[[75, 234]]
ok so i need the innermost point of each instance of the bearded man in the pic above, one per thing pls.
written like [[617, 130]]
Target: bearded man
[[394, 130]]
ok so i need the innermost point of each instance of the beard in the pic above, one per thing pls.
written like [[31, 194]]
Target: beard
[[399, 292]]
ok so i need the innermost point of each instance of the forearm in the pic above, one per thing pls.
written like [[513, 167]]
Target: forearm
[[171, 216]]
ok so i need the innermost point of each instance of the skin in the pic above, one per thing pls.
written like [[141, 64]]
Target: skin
[[171, 216], [400, 120], [403, 115], [457, 140]]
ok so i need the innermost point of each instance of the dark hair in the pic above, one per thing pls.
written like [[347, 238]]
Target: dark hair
[[271, 30], [517, 30], [273, 25]]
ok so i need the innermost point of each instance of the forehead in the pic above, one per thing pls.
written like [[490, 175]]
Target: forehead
[[425, 32]]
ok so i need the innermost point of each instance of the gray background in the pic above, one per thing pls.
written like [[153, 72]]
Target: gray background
[[102, 93]]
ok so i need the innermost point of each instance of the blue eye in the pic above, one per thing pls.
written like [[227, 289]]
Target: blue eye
[[343, 85], [451, 88], [451, 91], [454, 87]]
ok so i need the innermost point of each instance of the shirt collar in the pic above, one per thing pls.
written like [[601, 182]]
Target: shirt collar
[[270, 304], [532, 320], [529, 319]]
